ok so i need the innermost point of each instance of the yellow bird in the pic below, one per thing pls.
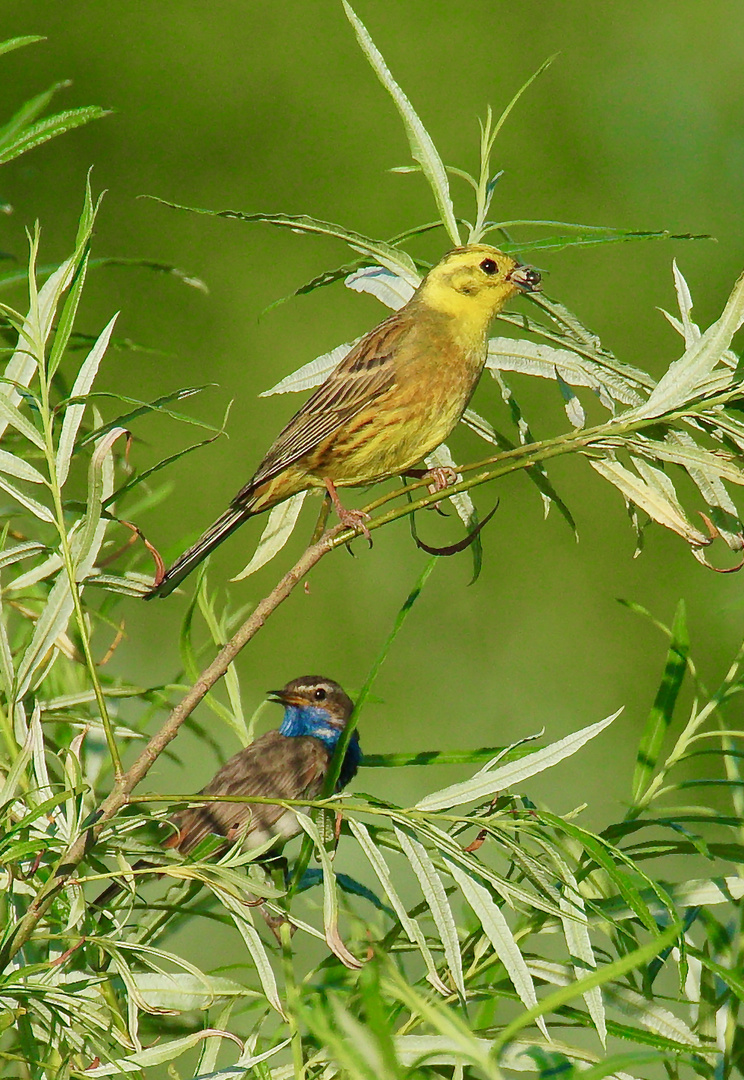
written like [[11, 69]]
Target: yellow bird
[[393, 398]]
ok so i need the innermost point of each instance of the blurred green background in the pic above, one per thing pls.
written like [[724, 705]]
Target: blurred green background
[[271, 107]]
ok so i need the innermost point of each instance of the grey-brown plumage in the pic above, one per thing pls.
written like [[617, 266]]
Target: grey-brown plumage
[[290, 763]]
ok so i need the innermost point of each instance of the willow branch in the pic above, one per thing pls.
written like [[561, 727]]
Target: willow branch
[[525, 457]]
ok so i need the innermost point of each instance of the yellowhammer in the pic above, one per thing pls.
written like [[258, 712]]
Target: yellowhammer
[[393, 398]]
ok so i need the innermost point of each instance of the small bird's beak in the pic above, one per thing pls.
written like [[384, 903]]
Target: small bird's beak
[[526, 278], [282, 697]]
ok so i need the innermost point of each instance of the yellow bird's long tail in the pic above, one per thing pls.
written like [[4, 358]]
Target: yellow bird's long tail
[[227, 523]]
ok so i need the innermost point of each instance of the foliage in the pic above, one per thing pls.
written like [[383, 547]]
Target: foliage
[[476, 933]]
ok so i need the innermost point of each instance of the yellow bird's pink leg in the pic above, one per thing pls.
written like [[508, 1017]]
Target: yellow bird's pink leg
[[352, 519]]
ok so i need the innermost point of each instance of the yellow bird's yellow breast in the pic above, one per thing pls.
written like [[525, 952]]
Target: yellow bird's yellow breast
[[437, 368]]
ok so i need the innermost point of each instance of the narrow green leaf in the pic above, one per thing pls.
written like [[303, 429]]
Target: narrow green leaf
[[19, 42], [422, 148], [660, 717], [311, 374], [88, 542], [610, 972], [378, 249], [27, 113], [40, 511], [12, 465], [43, 130], [10, 414], [74, 413], [410, 926], [654, 493], [487, 784], [437, 902], [497, 930], [686, 374], [279, 528], [330, 897], [445, 757], [578, 942], [50, 624]]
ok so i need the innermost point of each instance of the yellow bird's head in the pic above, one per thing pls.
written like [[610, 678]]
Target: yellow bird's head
[[473, 283]]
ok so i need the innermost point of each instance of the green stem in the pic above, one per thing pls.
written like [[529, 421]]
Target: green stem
[[292, 999], [524, 457], [334, 769], [70, 571]]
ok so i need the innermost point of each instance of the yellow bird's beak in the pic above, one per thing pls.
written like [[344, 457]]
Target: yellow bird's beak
[[526, 278]]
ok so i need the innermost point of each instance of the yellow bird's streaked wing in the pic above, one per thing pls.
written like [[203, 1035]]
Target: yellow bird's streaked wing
[[364, 374]]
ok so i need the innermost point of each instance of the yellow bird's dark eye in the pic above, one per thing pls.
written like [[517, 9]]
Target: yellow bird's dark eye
[[488, 266]]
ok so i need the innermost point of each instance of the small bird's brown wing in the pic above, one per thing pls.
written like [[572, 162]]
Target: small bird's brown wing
[[364, 374], [272, 766]]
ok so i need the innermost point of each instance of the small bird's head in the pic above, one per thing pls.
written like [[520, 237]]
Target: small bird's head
[[475, 282], [313, 704]]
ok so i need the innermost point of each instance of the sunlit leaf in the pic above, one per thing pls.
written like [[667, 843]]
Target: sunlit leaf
[[437, 902], [74, 413], [516, 772], [686, 374], [279, 528]]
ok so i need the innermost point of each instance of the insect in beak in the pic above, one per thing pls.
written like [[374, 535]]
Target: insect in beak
[[525, 277]]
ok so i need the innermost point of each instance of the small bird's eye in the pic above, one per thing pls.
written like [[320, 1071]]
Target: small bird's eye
[[320, 694], [488, 266]]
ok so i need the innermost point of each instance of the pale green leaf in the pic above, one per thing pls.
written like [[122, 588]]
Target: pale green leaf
[[279, 528], [684, 376], [43, 513], [74, 413], [51, 623], [487, 784], [12, 465], [181, 991], [330, 897], [576, 930], [160, 1053], [410, 926], [654, 493], [438, 904], [241, 917], [497, 930], [544, 361], [311, 374], [390, 289], [10, 414]]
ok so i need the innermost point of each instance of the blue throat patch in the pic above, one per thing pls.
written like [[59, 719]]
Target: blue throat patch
[[315, 721]]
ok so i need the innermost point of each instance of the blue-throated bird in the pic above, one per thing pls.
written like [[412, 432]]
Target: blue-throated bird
[[290, 762]]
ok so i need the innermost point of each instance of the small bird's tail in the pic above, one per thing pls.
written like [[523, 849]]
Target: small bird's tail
[[232, 519]]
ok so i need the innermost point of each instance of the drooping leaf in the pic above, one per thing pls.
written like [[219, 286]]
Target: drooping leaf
[[279, 528]]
